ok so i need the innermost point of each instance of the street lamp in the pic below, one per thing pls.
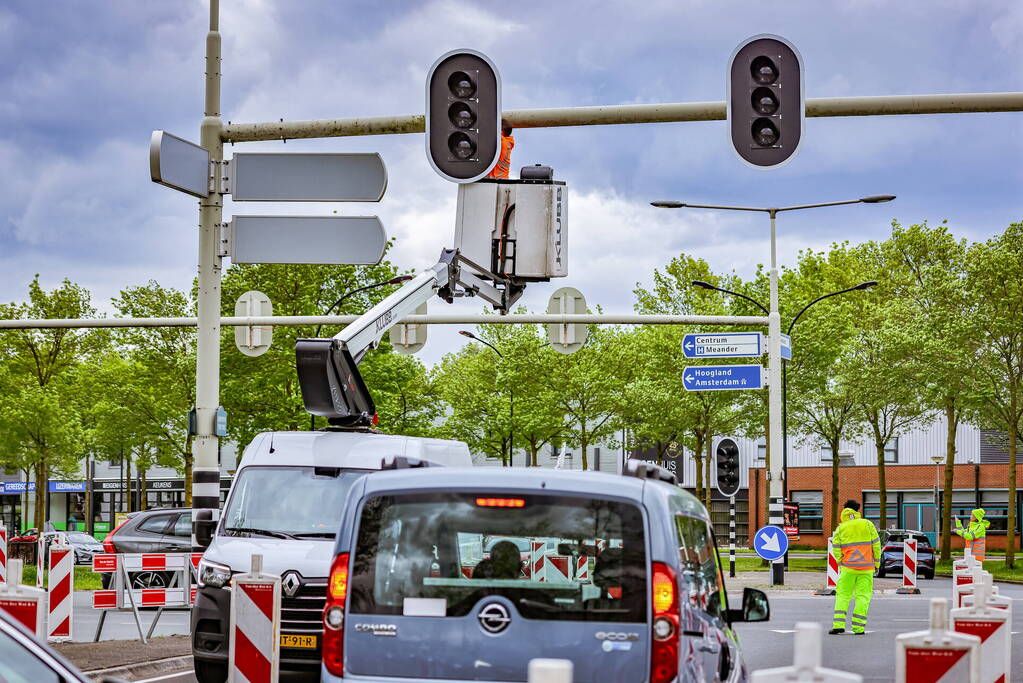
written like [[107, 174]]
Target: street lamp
[[776, 494], [937, 460], [511, 398]]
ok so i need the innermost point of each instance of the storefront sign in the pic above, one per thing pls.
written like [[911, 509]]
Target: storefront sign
[[791, 523], [66, 487], [17, 486]]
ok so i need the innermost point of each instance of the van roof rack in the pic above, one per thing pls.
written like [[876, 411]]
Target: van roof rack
[[402, 462], [648, 470]]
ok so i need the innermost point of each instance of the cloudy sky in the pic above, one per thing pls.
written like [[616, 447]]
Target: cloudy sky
[[84, 84]]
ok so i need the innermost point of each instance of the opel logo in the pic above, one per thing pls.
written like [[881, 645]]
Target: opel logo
[[494, 618], [290, 583]]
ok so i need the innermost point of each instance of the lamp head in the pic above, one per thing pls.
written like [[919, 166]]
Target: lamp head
[[667, 204], [877, 198], [704, 285], [867, 285], [467, 333], [400, 278]]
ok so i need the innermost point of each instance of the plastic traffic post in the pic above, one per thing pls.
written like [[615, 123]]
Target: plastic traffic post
[[832, 580], [806, 662], [937, 655], [992, 625], [40, 553], [550, 671], [254, 655], [993, 598], [909, 568], [3, 554], [61, 591], [24, 603], [963, 573]]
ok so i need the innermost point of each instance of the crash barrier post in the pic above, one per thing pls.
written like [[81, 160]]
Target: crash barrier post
[[909, 568], [993, 598], [60, 591], [3, 554], [832, 580], [992, 625], [24, 603], [254, 653], [937, 655], [806, 661], [550, 671], [122, 596], [963, 574]]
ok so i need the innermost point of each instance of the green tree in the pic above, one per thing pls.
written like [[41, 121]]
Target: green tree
[[478, 408]]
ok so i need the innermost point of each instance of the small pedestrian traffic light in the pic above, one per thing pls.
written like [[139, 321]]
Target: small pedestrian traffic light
[[463, 116], [728, 467], [765, 101]]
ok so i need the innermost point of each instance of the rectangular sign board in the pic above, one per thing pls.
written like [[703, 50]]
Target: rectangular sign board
[[285, 177], [306, 239], [179, 164], [723, 377], [729, 345], [786, 347]]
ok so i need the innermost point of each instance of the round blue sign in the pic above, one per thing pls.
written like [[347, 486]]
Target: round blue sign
[[770, 542]]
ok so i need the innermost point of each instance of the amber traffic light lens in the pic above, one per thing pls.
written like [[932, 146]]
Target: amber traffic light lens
[[763, 70], [765, 133], [764, 102], [461, 145], [461, 84], [461, 115]]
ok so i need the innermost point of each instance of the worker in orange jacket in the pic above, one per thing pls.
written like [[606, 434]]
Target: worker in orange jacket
[[507, 144]]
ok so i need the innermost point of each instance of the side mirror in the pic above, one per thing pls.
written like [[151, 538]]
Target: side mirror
[[203, 527], [755, 607]]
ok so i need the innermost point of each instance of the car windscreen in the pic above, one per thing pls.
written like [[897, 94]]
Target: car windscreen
[[81, 538], [556, 557], [922, 541], [288, 502]]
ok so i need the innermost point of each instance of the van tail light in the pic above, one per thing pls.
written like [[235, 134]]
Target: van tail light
[[108, 544], [334, 616], [665, 635]]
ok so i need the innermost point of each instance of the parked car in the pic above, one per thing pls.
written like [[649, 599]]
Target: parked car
[[160, 530], [622, 577], [28, 536], [26, 659], [892, 550], [85, 545]]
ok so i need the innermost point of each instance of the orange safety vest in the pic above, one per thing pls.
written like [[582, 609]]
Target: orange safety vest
[[857, 555], [504, 162], [976, 547]]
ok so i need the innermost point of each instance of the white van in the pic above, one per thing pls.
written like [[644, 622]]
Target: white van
[[285, 504]]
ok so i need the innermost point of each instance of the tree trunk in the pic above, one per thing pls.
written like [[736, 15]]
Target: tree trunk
[[882, 485], [1010, 534], [40, 509], [834, 485], [698, 460], [710, 460], [583, 443], [952, 426], [142, 489]]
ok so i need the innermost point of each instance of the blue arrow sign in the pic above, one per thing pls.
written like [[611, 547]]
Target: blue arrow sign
[[786, 347], [771, 543], [722, 377], [731, 345]]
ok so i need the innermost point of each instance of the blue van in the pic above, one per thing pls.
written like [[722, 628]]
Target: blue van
[[453, 574]]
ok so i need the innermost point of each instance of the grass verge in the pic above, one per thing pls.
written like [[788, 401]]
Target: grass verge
[[996, 567], [85, 578]]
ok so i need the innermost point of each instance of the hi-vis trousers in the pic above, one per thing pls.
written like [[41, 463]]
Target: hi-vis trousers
[[858, 586]]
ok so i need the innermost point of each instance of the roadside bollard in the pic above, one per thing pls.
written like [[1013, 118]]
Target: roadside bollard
[[24, 603], [550, 671], [832, 580], [60, 593], [993, 598], [909, 568], [992, 626], [3, 554], [40, 562], [806, 662], [937, 655], [254, 655]]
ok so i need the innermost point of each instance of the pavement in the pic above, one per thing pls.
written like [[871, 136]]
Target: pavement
[[121, 625]]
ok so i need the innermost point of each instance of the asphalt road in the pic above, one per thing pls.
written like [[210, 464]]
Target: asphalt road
[[121, 625], [769, 644]]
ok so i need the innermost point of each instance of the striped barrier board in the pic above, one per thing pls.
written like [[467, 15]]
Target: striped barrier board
[[909, 568], [937, 655], [831, 582], [60, 593], [40, 552], [3, 554], [255, 631], [24, 603], [993, 627]]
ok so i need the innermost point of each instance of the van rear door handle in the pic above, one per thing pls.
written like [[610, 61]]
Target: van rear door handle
[[712, 648]]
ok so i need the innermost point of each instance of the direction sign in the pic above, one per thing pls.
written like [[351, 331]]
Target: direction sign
[[253, 340], [409, 337], [287, 177], [786, 347], [722, 377], [567, 338], [731, 345], [179, 164], [771, 543], [306, 239]]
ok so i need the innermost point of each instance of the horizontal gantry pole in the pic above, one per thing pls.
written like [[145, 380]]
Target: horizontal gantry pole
[[883, 105], [429, 319]]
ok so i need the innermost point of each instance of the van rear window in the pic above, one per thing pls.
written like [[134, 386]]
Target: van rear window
[[554, 557]]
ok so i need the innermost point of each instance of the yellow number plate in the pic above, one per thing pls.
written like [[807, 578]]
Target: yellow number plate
[[297, 641]]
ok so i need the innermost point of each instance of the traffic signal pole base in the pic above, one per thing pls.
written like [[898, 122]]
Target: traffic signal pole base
[[777, 574]]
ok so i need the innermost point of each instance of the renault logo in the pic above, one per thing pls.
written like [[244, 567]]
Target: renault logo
[[494, 618], [290, 583]]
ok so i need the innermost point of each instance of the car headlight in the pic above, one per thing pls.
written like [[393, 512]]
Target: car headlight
[[213, 574]]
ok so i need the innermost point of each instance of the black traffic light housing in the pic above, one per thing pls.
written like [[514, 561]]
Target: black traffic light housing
[[765, 101], [727, 462], [463, 116]]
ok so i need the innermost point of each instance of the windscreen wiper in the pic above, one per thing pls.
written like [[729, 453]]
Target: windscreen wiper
[[261, 532], [316, 534]]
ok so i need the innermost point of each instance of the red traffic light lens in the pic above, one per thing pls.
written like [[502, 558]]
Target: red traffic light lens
[[461, 115], [763, 70], [461, 146], [461, 84], [765, 133]]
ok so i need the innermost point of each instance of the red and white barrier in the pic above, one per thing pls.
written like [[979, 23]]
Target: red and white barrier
[[993, 598], [832, 578], [3, 554], [806, 662], [909, 567], [582, 569], [254, 655], [40, 554], [24, 603], [992, 625], [937, 655], [61, 591]]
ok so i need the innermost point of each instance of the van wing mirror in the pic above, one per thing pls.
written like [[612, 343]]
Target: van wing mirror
[[203, 527], [755, 607]]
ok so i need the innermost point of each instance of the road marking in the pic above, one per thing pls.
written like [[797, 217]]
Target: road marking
[[927, 620], [783, 630], [176, 674]]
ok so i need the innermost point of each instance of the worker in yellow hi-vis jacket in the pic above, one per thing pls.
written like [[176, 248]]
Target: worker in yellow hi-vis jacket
[[856, 546]]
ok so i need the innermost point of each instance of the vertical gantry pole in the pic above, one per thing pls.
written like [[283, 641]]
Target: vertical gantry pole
[[731, 535], [775, 494], [206, 468]]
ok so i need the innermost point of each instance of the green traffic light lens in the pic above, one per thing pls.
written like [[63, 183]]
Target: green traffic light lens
[[461, 115], [764, 101], [763, 70], [461, 146], [765, 133], [461, 84]]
